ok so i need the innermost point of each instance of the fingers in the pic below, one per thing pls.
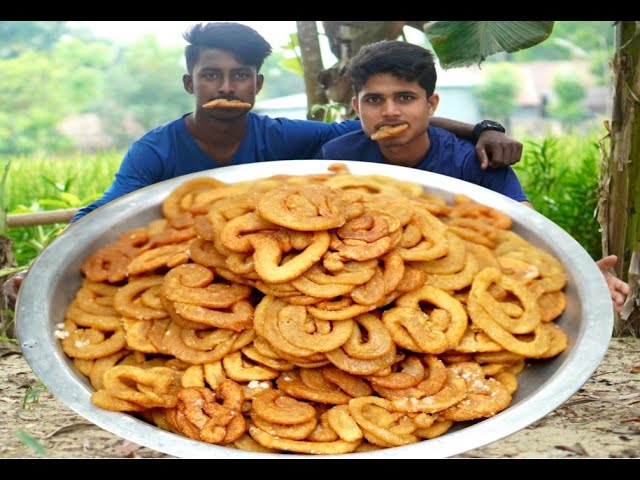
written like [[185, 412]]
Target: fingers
[[618, 301], [617, 288], [483, 158], [505, 154], [607, 262], [498, 155]]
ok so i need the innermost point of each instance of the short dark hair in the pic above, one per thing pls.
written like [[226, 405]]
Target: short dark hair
[[401, 59], [244, 42]]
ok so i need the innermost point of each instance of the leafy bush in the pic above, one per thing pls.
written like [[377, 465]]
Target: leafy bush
[[560, 178]]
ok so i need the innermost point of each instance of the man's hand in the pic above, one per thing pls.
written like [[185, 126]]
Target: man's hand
[[10, 289], [496, 150], [619, 289]]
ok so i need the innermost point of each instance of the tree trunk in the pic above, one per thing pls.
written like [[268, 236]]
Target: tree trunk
[[619, 204], [312, 66]]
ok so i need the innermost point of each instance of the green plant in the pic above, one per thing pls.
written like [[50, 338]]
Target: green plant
[[333, 111], [32, 395], [31, 442], [40, 183], [560, 178], [6, 332]]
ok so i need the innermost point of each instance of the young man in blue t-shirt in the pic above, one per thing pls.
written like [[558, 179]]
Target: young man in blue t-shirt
[[394, 85], [223, 61]]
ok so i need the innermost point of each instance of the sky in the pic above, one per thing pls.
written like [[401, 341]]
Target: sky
[[170, 32]]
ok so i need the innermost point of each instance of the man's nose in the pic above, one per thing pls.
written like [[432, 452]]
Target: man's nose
[[390, 108], [226, 86]]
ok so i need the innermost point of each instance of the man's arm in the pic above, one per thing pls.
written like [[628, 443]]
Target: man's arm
[[494, 149]]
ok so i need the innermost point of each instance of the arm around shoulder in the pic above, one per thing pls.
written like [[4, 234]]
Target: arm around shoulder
[[493, 147]]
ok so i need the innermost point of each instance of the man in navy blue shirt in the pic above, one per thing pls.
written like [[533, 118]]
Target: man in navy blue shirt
[[394, 84], [223, 61]]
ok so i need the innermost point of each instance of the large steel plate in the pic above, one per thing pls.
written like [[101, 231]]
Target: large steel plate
[[55, 277]]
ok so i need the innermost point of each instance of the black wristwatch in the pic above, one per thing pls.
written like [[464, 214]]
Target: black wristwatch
[[485, 125]]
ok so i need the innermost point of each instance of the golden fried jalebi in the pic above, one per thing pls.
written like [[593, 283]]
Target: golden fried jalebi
[[317, 314]]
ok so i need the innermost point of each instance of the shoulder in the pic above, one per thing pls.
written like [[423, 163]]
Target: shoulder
[[447, 139], [352, 140], [290, 124], [161, 130]]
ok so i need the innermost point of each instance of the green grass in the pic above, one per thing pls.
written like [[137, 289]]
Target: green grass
[[50, 183], [33, 179]]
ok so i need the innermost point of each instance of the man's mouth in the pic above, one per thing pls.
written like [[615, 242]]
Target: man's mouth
[[389, 130]]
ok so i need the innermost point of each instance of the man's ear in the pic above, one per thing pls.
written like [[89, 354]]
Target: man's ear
[[259, 83], [355, 105], [187, 82], [433, 102]]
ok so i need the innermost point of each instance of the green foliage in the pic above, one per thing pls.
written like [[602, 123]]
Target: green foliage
[[459, 44], [291, 55], [589, 36], [146, 80], [282, 74], [39, 88], [31, 188], [497, 95], [560, 178], [32, 395], [332, 111], [18, 37], [282, 71], [569, 92], [7, 331]]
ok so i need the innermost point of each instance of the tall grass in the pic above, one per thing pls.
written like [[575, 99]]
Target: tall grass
[[51, 182], [33, 179]]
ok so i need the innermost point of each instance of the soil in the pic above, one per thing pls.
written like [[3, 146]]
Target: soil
[[602, 420]]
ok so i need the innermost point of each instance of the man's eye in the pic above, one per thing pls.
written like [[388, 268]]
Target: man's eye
[[373, 100], [406, 98], [211, 76], [242, 76]]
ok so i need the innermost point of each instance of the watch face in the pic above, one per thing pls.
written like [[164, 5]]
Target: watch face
[[490, 124]]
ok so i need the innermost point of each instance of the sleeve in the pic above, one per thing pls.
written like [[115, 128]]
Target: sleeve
[[502, 180], [140, 167], [303, 139]]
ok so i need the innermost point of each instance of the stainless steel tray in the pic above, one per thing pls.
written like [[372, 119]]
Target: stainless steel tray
[[55, 277]]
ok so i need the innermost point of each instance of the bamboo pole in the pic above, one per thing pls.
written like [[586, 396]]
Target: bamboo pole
[[41, 218]]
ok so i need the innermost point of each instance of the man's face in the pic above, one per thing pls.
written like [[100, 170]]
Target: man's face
[[218, 74], [388, 100]]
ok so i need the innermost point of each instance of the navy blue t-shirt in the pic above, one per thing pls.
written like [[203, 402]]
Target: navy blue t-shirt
[[169, 151], [447, 155]]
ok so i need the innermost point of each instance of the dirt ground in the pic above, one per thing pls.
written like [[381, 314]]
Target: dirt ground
[[602, 420]]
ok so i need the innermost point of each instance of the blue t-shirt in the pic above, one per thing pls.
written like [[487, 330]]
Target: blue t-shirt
[[169, 151], [447, 155]]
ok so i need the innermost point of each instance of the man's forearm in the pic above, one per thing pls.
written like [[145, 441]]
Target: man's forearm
[[459, 129]]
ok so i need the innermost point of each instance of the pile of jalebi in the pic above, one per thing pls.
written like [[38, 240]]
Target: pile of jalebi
[[318, 314]]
